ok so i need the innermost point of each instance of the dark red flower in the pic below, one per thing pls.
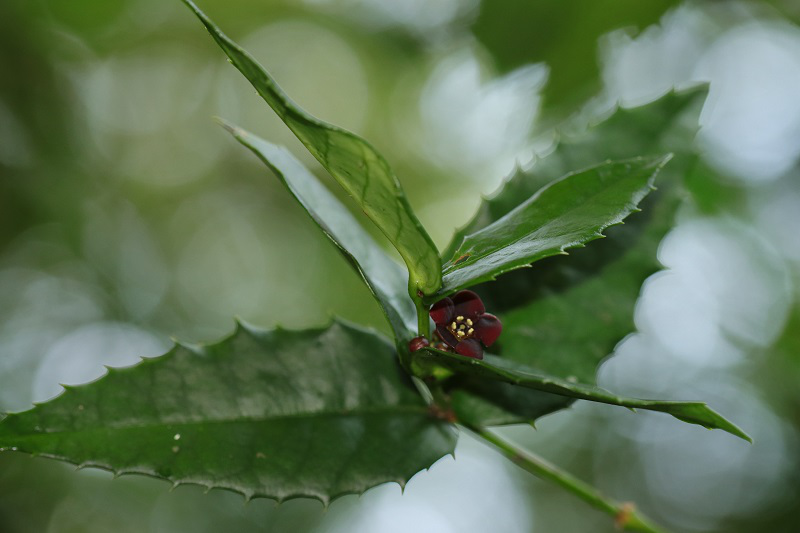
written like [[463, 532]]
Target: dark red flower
[[463, 324]]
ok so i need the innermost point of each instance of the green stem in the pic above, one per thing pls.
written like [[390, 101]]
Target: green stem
[[624, 514], [423, 320]]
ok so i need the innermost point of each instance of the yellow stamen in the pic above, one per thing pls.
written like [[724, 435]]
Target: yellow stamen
[[459, 318], [469, 322]]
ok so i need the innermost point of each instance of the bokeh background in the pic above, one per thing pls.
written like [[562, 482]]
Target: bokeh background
[[127, 217]]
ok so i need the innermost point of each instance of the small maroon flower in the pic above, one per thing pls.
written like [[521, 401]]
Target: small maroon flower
[[463, 324]]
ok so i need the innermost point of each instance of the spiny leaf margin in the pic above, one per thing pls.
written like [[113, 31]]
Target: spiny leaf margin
[[380, 430], [557, 217]]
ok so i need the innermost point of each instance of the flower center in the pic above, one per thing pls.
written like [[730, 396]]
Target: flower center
[[462, 328]]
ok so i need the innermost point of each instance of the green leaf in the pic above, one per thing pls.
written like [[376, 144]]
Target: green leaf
[[567, 313], [569, 332], [278, 414], [497, 368], [353, 162], [386, 279], [665, 125], [567, 213]]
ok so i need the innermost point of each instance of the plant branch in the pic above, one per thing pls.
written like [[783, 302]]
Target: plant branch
[[625, 515], [423, 320]]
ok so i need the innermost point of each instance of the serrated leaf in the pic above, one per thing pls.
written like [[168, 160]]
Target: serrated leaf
[[497, 368], [567, 213], [386, 279], [569, 332], [353, 162], [278, 414], [577, 319], [567, 313], [665, 125]]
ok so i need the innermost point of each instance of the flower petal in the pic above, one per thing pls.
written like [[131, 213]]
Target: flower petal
[[470, 348], [442, 311], [468, 304], [488, 329], [446, 336]]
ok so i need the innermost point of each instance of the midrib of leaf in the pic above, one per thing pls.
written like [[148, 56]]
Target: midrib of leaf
[[400, 409]]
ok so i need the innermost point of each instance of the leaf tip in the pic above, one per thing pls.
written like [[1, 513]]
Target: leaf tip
[[230, 127]]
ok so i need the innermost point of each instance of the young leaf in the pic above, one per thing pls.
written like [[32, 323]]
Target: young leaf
[[567, 213], [386, 279], [279, 414], [353, 162], [497, 368], [666, 125]]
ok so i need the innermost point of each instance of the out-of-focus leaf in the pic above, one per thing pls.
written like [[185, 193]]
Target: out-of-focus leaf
[[497, 368], [567, 213], [278, 414], [386, 279], [353, 162], [563, 35]]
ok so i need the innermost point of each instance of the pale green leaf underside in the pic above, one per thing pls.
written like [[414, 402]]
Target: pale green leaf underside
[[353, 162], [386, 279], [278, 414], [567, 213], [497, 368]]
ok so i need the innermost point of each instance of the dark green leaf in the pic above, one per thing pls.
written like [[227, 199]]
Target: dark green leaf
[[569, 332], [567, 213], [353, 162], [279, 414], [497, 368], [386, 279], [567, 313]]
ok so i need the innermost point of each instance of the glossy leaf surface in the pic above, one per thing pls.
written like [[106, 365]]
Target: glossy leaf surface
[[568, 213], [279, 414]]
